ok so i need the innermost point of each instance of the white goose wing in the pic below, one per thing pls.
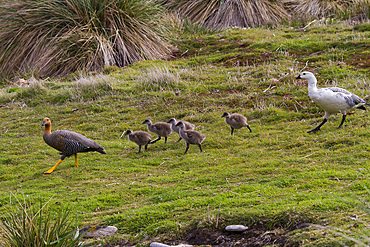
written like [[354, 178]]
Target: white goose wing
[[351, 99]]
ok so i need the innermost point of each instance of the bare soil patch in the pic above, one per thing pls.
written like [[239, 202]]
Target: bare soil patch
[[220, 238]]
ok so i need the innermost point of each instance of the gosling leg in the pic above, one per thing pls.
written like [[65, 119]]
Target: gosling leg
[[140, 148], [179, 139], [232, 130], [155, 140], [200, 147], [249, 128], [146, 146], [187, 147]]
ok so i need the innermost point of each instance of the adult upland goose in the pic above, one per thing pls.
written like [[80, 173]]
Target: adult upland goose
[[162, 129], [236, 121], [333, 99], [141, 138], [68, 143], [190, 136], [174, 128]]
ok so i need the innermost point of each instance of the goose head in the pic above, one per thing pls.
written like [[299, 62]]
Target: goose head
[[226, 114], [310, 77], [180, 125], [147, 121], [46, 122], [172, 121], [128, 132]]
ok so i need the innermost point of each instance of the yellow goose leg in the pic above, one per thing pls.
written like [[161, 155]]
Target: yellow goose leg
[[53, 168], [76, 163]]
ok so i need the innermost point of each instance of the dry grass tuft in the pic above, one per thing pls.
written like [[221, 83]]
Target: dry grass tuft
[[158, 79], [355, 9]]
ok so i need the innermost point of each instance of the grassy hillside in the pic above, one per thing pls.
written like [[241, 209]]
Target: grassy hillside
[[272, 179]]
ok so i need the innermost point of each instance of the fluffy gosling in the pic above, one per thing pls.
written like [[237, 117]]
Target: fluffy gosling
[[162, 129], [174, 128], [141, 138], [236, 121], [190, 136]]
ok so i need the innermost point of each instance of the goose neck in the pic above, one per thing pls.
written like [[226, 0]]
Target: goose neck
[[47, 130]]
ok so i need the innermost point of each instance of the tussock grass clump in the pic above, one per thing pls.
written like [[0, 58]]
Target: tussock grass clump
[[357, 9], [218, 14], [57, 37], [159, 79], [27, 227]]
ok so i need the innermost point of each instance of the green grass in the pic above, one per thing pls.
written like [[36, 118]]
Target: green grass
[[276, 177]]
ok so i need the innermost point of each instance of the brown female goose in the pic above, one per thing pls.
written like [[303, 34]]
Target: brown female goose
[[139, 137], [162, 129], [174, 128], [236, 121], [190, 136], [68, 143]]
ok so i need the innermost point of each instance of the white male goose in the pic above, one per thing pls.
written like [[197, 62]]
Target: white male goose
[[174, 128], [236, 121], [141, 138], [162, 129], [333, 99], [190, 136]]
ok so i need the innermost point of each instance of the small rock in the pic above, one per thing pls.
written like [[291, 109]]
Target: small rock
[[156, 244], [236, 228], [98, 231]]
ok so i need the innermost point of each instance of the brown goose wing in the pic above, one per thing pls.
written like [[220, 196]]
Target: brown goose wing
[[69, 142]]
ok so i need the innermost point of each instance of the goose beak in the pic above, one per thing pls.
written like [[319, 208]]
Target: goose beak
[[299, 77], [43, 123]]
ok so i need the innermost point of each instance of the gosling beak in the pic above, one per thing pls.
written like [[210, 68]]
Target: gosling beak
[[299, 77], [43, 123]]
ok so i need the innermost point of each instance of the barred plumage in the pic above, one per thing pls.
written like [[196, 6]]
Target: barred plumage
[[68, 143]]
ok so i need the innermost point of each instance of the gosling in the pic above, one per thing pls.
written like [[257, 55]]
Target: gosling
[[173, 122], [141, 138], [236, 121], [162, 129], [190, 136]]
